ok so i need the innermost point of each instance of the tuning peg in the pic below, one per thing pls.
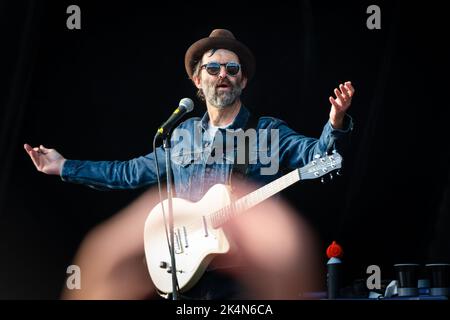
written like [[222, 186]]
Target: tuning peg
[[322, 180], [331, 176], [316, 156], [339, 173]]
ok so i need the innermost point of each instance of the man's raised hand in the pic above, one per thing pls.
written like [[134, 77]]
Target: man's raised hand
[[48, 161], [340, 104]]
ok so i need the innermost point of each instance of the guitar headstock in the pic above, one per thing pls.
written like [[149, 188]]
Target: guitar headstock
[[321, 166]]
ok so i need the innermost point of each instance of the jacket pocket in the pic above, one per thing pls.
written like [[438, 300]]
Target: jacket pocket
[[186, 159]]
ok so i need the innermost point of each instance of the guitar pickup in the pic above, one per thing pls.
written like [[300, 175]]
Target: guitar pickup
[[178, 242], [186, 244]]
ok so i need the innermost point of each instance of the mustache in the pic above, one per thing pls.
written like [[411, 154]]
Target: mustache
[[223, 81]]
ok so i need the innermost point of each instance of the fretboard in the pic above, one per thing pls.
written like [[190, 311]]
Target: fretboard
[[250, 200]]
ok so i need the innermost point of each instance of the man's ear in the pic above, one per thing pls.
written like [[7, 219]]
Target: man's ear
[[244, 82], [197, 81]]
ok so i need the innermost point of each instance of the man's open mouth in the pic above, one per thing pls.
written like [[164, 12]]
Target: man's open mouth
[[223, 85]]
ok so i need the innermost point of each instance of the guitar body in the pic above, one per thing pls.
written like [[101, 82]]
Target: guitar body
[[196, 241]]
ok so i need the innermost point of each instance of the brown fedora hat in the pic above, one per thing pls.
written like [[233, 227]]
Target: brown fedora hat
[[220, 39]]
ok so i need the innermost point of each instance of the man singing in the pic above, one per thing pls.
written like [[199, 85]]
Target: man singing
[[220, 68]]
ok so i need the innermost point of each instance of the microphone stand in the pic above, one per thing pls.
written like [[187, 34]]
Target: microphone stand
[[173, 269]]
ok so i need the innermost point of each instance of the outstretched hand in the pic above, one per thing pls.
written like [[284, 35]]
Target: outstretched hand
[[340, 104], [48, 161]]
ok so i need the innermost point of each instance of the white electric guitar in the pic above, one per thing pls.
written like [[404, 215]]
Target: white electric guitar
[[198, 236]]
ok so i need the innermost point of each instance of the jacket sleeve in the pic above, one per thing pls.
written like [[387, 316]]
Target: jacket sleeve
[[107, 175], [297, 150]]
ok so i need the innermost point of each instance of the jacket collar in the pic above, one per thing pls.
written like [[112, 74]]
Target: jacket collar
[[239, 121]]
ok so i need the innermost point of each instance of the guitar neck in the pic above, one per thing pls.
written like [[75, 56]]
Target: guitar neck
[[315, 169], [250, 200]]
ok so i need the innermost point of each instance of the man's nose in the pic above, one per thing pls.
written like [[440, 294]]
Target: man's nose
[[223, 72]]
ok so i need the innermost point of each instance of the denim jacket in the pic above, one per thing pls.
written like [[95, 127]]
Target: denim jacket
[[194, 172]]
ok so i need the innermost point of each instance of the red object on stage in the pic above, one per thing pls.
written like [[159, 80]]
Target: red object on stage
[[334, 250]]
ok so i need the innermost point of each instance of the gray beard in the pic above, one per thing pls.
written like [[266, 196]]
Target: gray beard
[[223, 99]]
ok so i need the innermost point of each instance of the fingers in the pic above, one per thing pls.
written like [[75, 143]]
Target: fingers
[[349, 85], [41, 147], [334, 103], [345, 91], [350, 89], [344, 94], [338, 94], [29, 149], [34, 155]]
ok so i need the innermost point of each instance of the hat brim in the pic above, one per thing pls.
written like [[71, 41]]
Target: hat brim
[[195, 53]]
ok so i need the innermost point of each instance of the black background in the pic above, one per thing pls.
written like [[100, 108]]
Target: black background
[[100, 92]]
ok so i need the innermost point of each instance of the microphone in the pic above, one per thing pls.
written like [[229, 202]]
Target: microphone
[[186, 105]]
